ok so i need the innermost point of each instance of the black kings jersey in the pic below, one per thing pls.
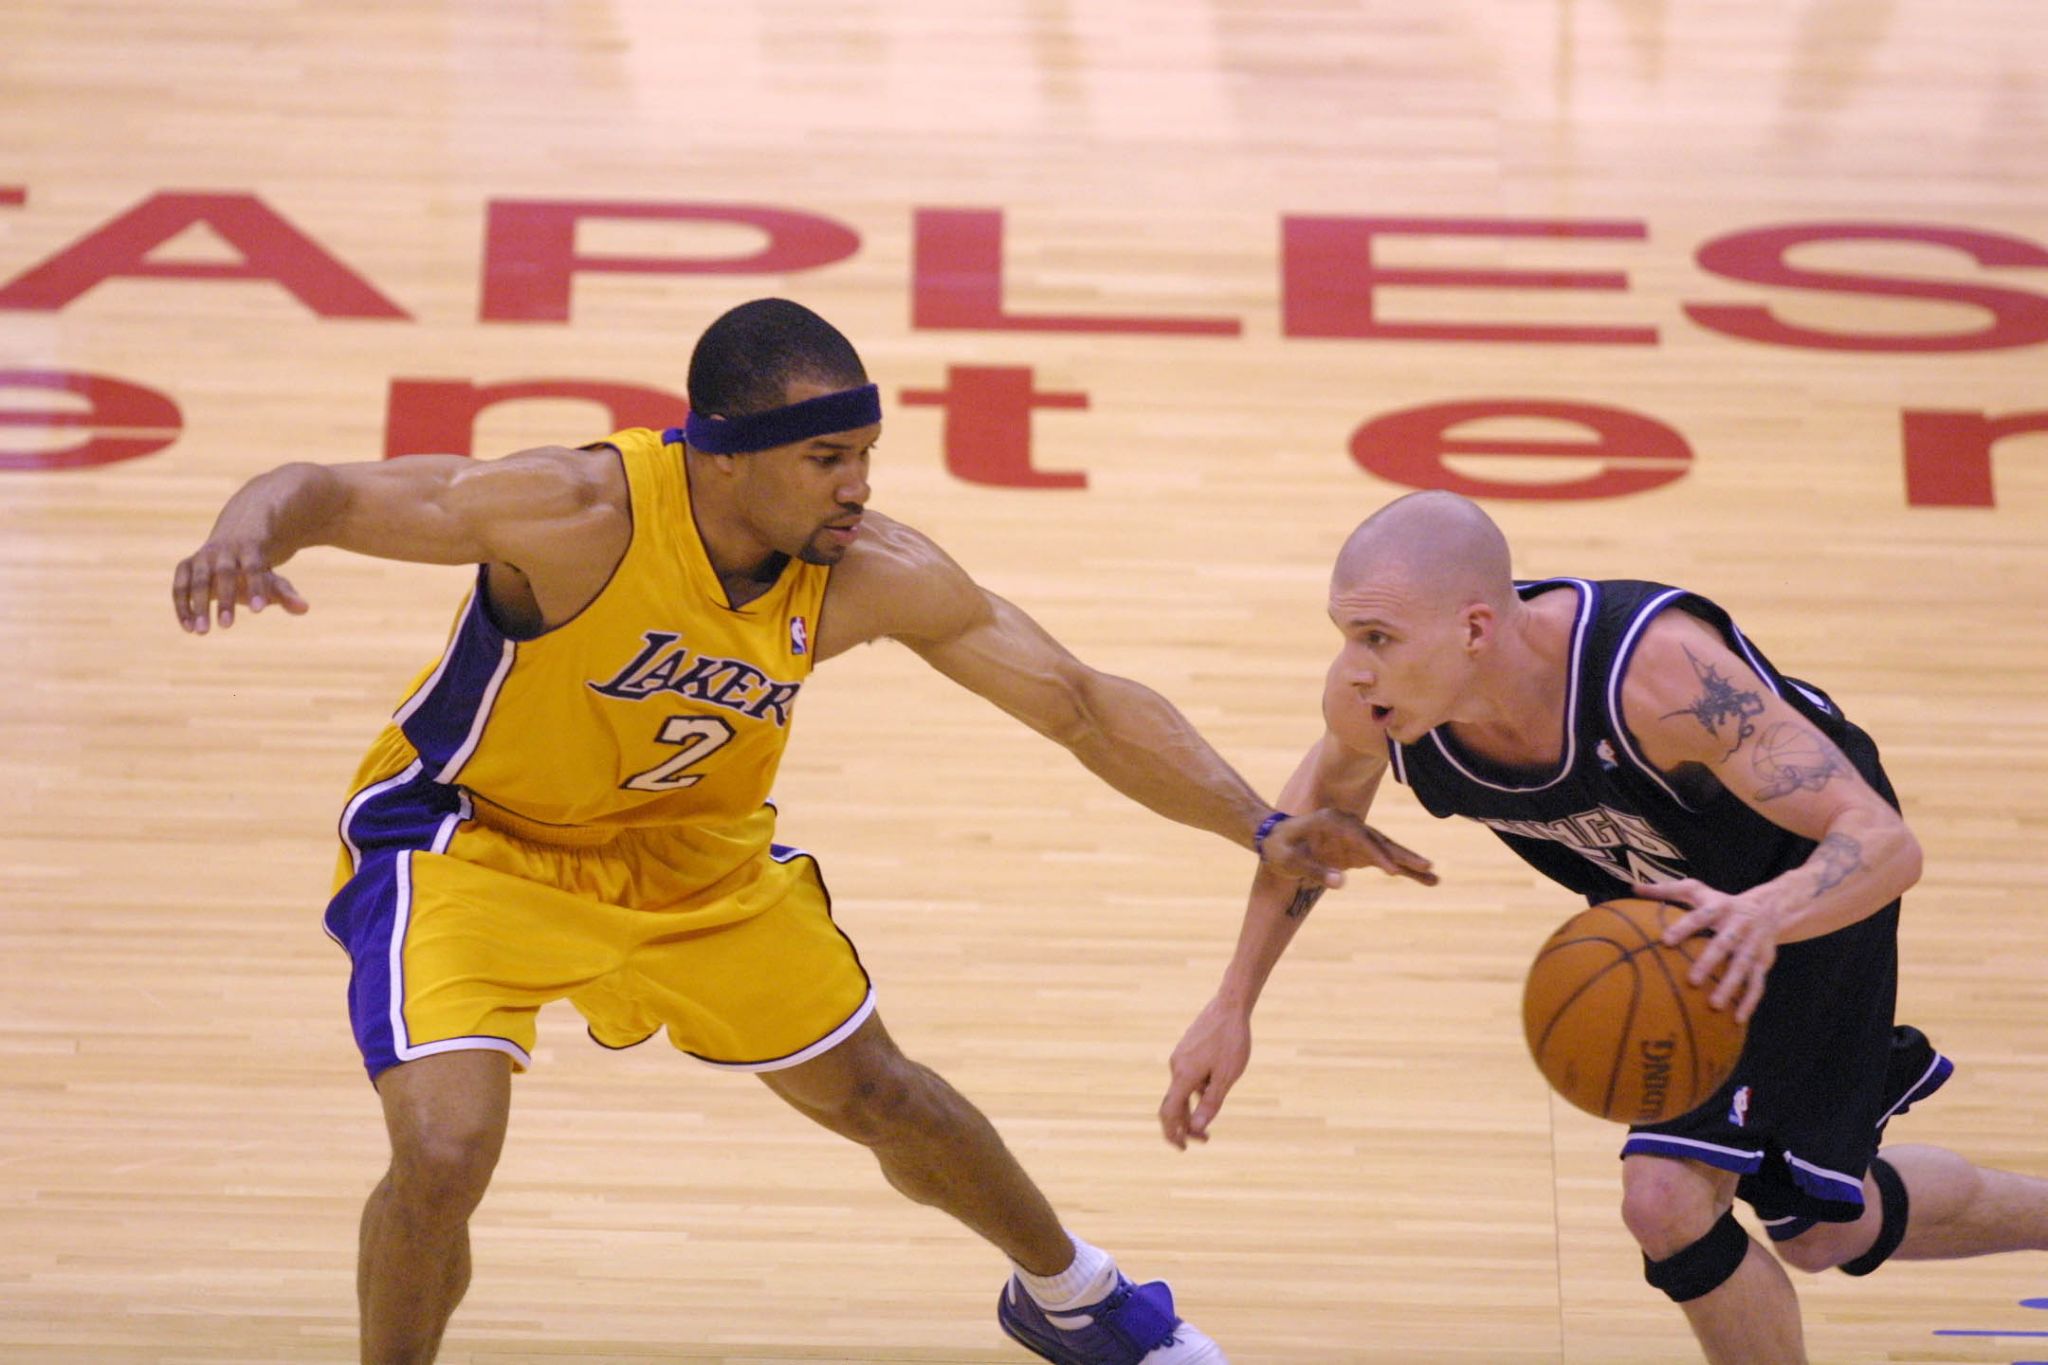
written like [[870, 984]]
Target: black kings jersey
[[1606, 817]]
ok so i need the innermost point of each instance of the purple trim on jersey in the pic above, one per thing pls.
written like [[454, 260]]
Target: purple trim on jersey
[[353, 810], [1623, 653], [1692, 1149], [445, 719], [1589, 603], [1763, 670], [404, 811]]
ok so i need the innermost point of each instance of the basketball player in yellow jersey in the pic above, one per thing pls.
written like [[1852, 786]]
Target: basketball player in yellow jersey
[[571, 802]]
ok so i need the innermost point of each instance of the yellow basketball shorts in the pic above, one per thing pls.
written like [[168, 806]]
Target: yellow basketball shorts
[[458, 932]]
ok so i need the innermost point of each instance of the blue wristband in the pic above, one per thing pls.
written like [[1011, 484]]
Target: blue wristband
[[1266, 827]]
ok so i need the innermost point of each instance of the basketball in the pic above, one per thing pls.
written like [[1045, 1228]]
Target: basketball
[[1614, 1025]]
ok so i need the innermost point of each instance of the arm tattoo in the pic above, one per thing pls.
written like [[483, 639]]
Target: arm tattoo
[[1793, 757], [1305, 898], [1838, 857], [1719, 704]]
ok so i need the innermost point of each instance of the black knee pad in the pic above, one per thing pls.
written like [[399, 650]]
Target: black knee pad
[[1893, 1205], [1702, 1267]]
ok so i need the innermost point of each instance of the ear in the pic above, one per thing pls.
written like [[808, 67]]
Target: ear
[[719, 466], [1481, 625]]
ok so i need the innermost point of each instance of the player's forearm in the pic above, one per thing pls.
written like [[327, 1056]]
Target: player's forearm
[[1272, 917], [286, 510], [1133, 739], [1865, 861]]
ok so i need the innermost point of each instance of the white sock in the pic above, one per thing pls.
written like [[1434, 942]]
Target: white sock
[[1088, 1280]]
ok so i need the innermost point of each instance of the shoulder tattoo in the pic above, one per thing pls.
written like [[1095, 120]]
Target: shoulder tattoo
[[1721, 708]]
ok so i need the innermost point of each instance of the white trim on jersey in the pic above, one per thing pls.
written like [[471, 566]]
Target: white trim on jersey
[[1757, 664], [1623, 652], [1588, 609]]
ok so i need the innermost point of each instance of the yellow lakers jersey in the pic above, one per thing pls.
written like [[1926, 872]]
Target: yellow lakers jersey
[[660, 703]]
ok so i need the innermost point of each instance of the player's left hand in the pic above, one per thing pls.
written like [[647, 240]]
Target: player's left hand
[[1212, 1054], [1742, 949], [1312, 848]]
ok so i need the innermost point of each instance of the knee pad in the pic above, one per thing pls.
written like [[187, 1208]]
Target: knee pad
[[1704, 1266], [1891, 1194]]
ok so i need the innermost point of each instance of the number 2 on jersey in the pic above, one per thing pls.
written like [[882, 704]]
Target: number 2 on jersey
[[699, 736]]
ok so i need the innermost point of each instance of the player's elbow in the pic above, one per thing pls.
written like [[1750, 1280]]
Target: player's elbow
[[1072, 716], [304, 478], [1889, 847], [1910, 860]]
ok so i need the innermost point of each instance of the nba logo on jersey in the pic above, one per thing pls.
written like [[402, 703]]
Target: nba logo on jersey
[[1738, 1109], [799, 637], [1605, 753]]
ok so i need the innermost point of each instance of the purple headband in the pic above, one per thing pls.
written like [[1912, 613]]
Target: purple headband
[[842, 411]]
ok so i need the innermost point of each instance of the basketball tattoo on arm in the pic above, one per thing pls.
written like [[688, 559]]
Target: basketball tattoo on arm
[[1793, 757], [1305, 898], [1720, 704]]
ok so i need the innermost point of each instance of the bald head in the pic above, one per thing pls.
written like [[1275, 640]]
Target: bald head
[[1439, 547]]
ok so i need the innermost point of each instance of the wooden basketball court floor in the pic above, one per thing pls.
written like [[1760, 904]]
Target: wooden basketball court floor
[[187, 193]]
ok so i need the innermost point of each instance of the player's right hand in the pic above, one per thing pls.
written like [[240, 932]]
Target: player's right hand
[[1212, 1054], [224, 573], [1313, 847]]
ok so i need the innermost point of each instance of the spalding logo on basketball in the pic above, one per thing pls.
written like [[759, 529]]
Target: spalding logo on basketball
[[1612, 1022]]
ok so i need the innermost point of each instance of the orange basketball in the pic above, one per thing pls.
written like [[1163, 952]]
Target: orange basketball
[[1613, 1024]]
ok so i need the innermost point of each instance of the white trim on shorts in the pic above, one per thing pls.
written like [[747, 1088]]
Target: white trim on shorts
[[401, 920], [798, 1058]]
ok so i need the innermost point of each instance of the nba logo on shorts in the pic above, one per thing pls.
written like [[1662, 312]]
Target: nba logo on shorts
[[1738, 1111], [798, 638]]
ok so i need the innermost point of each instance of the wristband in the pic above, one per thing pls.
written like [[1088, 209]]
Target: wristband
[[1266, 827]]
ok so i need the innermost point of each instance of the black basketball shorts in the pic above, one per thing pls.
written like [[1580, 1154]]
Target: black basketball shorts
[[1823, 1070]]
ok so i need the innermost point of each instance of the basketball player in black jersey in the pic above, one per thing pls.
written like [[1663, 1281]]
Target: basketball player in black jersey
[[1625, 738]]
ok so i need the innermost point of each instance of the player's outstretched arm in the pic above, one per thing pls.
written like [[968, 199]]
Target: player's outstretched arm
[[897, 583], [533, 510], [1691, 700], [1215, 1050]]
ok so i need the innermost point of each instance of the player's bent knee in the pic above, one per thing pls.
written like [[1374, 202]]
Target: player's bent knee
[[1699, 1269], [1830, 1246], [1821, 1248], [445, 1168], [1660, 1203], [1891, 1192]]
